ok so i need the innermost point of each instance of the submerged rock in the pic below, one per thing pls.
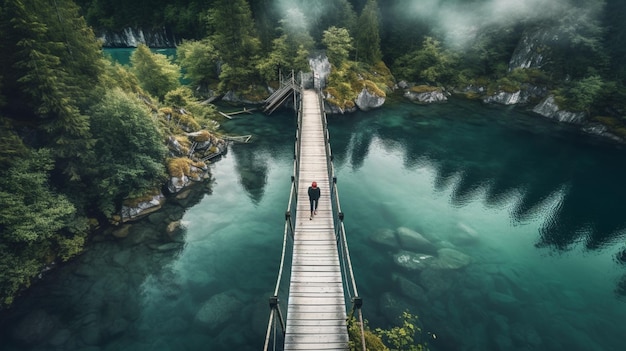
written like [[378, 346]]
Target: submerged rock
[[411, 260], [122, 231], [435, 282], [410, 289], [411, 240], [218, 310], [385, 237], [465, 235], [449, 259], [392, 306]]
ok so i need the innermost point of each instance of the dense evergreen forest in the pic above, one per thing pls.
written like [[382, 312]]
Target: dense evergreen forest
[[80, 136]]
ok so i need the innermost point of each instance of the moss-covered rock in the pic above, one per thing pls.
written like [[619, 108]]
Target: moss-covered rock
[[357, 85]]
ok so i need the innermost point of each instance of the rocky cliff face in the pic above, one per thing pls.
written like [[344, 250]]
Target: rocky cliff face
[[321, 69], [131, 37], [426, 97], [532, 48]]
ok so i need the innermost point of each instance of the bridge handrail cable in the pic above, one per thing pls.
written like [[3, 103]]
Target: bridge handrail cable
[[338, 216], [276, 315]]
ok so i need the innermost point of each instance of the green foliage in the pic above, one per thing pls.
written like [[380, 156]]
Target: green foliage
[[51, 64], [119, 76], [30, 211], [368, 34], [431, 63], [403, 337], [130, 150], [233, 34], [156, 74], [197, 114], [287, 54], [580, 47], [36, 223], [373, 342], [179, 97], [278, 59], [338, 44], [17, 270], [580, 95], [418, 89], [347, 81], [199, 60], [11, 146], [490, 52]]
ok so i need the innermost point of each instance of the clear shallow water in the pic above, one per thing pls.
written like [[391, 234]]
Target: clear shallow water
[[536, 206]]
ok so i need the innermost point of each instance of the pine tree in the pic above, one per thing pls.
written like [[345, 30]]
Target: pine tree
[[42, 78], [368, 36], [338, 45], [233, 34], [156, 74]]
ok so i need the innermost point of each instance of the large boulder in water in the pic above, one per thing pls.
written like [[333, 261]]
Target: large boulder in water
[[413, 241], [392, 306], [449, 259], [410, 289], [367, 100], [412, 260], [386, 238]]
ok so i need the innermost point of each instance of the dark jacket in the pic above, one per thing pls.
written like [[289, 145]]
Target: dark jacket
[[314, 194]]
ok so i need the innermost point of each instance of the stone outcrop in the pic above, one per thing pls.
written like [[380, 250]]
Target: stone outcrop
[[143, 208], [504, 98], [530, 51], [413, 241], [332, 109], [423, 93], [525, 95], [320, 66], [368, 100], [548, 108], [426, 97]]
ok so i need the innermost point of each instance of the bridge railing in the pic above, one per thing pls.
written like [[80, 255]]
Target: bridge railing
[[349, 281], [276, 326]]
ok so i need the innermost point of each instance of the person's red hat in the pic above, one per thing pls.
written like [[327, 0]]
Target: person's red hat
[[314, 184]]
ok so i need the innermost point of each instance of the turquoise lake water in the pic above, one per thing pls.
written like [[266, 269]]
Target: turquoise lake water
[[536, 206]]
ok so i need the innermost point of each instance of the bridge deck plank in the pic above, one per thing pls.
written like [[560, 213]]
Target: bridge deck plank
[[316, 313]]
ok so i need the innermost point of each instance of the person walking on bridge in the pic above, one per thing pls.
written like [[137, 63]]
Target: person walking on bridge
[[314, 196]]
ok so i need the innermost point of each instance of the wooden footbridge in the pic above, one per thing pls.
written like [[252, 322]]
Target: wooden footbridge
[[322, 297]]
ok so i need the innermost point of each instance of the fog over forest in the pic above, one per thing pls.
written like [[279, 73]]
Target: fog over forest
[[457, 21]]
